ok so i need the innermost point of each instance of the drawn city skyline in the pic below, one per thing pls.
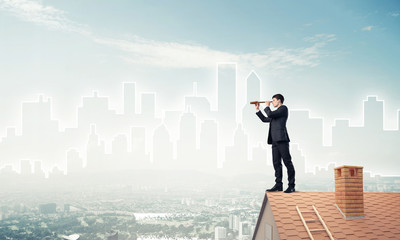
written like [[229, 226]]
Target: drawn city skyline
[[195, 137]]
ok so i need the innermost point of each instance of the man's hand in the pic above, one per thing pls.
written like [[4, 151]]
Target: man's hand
[[267, 103], [257, 106]]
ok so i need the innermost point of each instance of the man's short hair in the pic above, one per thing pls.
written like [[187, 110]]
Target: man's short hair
[[279, 97]]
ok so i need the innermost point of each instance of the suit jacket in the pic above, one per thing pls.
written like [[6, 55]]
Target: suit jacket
[[277, 123]]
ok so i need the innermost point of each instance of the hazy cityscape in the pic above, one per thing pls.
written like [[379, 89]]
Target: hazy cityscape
[[143, 204], [189, 174]]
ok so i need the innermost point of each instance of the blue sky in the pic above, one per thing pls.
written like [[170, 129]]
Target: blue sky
[[326, 56]]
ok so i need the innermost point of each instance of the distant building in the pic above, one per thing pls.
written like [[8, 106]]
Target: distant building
[[138, 147], [38, 171], [220, 233], [162, 148], [251, 123], [148, 105], [236, 223], [186, 145], [74, 161], [236, 156], [129, 98], [244, 230], [209, 144], [26, 167]]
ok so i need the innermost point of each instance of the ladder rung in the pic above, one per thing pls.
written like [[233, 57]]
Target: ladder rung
[[323, 223], [325, 229], [312, 220]]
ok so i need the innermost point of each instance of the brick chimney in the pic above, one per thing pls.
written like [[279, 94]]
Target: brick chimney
[[349, 193]]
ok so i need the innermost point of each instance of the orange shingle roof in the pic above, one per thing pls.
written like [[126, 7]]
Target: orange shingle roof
[[381, 221]]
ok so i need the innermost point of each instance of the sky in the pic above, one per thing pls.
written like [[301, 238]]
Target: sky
[[325, 56]]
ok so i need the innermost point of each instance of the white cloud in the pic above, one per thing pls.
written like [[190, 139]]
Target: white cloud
[[367, 28], [321, 38], [170, 54], [394, 14], [166, 54], [32, 11], [177, 55]]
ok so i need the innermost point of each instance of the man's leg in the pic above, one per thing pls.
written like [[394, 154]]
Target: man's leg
[[277, 162], [287, 160]]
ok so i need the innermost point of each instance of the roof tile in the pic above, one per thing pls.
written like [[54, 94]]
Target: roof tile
[[381, 221]]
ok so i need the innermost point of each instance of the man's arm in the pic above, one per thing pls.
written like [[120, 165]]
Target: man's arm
[[282, 111], [262, 117]]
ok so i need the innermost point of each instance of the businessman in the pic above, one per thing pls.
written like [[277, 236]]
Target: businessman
[[279, 138]]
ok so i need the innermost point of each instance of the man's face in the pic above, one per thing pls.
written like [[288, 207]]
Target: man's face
[[275, 102]]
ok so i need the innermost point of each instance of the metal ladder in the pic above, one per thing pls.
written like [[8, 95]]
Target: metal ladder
[[325, 229]]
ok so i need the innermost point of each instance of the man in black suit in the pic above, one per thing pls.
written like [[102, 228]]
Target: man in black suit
[[279, 138]]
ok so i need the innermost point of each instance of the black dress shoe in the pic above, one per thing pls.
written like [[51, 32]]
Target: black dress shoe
[[275, 189], [289, 190]]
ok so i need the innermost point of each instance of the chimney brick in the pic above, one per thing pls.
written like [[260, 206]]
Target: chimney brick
[[349, 194]]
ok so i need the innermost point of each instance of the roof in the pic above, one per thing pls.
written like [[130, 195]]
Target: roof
[[381, 221]]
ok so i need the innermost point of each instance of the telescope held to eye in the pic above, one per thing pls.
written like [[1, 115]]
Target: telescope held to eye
[[254, 102]]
